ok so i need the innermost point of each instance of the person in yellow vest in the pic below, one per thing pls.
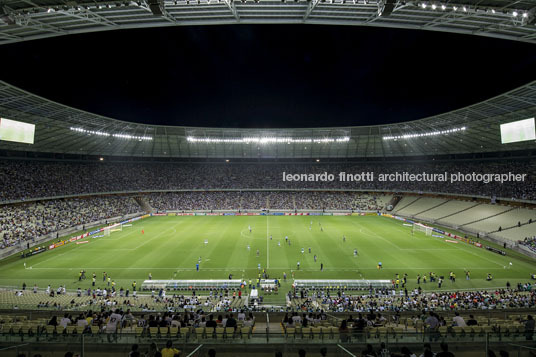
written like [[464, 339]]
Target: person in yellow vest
[[109, 281], [169, 350], [134, 286]]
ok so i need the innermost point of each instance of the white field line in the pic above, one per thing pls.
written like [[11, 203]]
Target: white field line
[[267, 244], [242, 268]]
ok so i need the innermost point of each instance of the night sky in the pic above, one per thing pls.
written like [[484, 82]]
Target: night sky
[[268, 76]]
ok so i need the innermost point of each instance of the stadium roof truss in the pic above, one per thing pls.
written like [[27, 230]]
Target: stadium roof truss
[[436, 135], [22, 20]]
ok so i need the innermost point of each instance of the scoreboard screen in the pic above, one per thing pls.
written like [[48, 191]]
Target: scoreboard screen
[[17, 131], [521, 130]]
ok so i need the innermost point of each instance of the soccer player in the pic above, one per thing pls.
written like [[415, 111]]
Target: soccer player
[[355, 252], [197, 267], [25, 268], [321, 229], [270, 237], [199, 260], [467, 275], [380, 265], [249, 248], [279, 243], [315, 258], [249, 227], [286, 238], [259, 266], [344, 239], [302, 250], [298, 265], [309, 250], [258, 253], [142, 231], [321, 266]]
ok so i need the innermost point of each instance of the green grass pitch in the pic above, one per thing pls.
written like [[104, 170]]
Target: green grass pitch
[[171, 246]]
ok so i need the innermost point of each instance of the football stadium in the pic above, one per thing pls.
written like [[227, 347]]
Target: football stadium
[[126, 238]]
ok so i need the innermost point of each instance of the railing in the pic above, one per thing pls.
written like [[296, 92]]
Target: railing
[[193, 339]]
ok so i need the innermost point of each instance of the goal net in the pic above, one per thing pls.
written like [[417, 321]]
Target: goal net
[[417, 227], [113, 228]]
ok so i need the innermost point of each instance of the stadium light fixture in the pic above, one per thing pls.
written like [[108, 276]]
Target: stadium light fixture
[[434, 6], [267, 140], [419, 135], [101, 159], [464, 9], [443, 7], [455, 8], [105, 134], [514, 14]]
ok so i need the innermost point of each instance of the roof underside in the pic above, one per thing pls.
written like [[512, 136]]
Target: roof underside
[[22, 20], [54, 135]]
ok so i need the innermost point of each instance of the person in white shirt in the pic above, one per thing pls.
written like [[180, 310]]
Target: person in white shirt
[[241, 316], [114, 319], [65, 321], [296, 319], [458, 320], [82, 322]]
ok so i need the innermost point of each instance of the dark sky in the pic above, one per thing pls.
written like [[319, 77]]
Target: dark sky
[[268, 75]]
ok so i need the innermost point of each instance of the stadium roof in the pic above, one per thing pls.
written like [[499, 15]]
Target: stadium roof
[[22, 20], [62, 129]]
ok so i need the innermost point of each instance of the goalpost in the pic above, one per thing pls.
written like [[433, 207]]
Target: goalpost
[[113, 228], [417, 227]]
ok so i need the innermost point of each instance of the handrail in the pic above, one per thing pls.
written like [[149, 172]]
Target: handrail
[[10, 347], [194, 351], [345, 350], [522, 346]]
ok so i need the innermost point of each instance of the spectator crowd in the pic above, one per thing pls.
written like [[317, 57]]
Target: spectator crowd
[[529, 242], [24, 180], [389, 300], [28, 221]]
